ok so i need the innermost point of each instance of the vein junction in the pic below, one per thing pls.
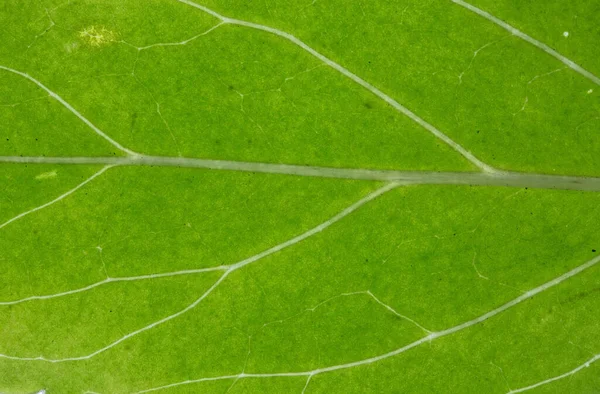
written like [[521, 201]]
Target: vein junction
[[110, 279], [396, 105], [230, 269], [544, 47], [489, 176], [226, 20], [502, 179], [559, 377], [57, 199], [432, 336], [70, 108]]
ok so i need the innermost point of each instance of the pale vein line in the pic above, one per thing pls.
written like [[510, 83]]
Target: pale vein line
[[232, 268], [227, 377], [125, 337], [399, 107], [57, 199], [504, 179], [571, 64], [70, 108], [306, 384], [168, 44], [389, 308], [355, 293], [564, 375], [115, 280], [475, 54], [431, 337]]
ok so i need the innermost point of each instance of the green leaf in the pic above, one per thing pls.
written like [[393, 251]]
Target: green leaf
[[274, 197]]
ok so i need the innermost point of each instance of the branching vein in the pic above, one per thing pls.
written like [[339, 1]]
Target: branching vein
[[232, 268], [555, 378], [70, 108], [167, 44], [427, 339], [571, 64], [504, 179], [399, 107], [57, 199], [110, 279], [355, 293], [490, 176]]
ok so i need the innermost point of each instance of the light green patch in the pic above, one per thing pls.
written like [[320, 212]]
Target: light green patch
[[71, 46], [47, 175]]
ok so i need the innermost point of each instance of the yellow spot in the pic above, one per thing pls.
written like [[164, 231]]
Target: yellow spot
[[46, 175], [97, 35], [590, 91]]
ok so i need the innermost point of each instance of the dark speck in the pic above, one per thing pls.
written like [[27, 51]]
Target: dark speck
[[594, 250]]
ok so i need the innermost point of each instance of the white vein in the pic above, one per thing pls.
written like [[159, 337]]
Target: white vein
[[306, 384], [175, 141], [475, 267], [355, 293], [571, 64], [57, 199], [460, 76], [427, 339], [504, 179], [389, 308], [70, 108], [158, 112], [555, 378], [167, 44], [163, 44], [232, 268], [532, 80], [432, 129], [110, 279]]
